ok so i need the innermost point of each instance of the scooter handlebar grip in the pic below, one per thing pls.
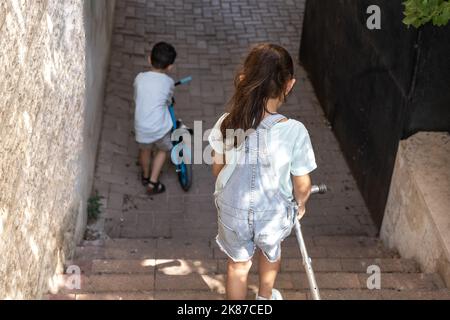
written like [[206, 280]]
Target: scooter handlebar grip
[[320, 189]]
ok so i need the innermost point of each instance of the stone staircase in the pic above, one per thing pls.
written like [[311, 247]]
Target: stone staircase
[[165, 248], [165, 269]]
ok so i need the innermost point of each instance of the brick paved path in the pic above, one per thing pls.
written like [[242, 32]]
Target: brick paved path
[[174, 232], [211, 37]]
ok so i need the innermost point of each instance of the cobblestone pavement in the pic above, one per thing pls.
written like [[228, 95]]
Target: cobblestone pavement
[[211, 37], [162, 247]]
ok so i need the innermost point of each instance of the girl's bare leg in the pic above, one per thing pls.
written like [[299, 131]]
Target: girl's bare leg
[[268, 273], [237, 280]]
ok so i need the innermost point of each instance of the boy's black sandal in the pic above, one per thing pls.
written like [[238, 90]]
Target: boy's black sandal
[[145, 181], [156, 188]]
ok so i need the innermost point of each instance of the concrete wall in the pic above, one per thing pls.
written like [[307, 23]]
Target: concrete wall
[[417, 220], [429, 102], [53, 57], [376, 86]]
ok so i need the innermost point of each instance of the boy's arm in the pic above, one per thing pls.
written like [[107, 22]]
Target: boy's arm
[[302, 192]]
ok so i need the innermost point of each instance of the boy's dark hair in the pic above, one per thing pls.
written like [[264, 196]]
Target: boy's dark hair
[[163, 55]]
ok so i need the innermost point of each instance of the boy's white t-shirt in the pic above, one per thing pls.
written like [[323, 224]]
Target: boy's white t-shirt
[[290, 147], [153, 93]]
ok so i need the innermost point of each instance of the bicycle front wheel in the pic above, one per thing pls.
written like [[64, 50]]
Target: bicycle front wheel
[[185, 176]]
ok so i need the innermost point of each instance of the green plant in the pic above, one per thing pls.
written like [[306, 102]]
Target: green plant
[[420, 12], [94, 207]]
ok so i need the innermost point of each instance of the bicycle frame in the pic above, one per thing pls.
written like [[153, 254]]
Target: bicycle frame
[[180, 166], [172, 105]]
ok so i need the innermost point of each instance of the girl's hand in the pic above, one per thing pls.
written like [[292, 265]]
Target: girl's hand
[[302, 191], [301, 212]]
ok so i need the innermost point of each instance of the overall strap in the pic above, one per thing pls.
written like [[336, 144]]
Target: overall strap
[[269, 122], [259, 138], [262, 137]]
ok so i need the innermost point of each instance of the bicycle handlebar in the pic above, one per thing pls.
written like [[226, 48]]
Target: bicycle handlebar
[[183, 81]]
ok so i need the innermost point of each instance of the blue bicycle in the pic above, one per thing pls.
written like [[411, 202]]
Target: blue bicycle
[[181, 153]]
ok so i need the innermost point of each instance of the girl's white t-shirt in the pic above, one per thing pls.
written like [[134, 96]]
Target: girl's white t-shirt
[[290, 147]]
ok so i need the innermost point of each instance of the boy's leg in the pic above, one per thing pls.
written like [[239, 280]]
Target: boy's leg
[[164, 146], [268, 273], [158, 164], [237, 280], [144, 159]]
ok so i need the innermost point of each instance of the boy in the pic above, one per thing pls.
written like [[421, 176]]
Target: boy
[[153, 94]]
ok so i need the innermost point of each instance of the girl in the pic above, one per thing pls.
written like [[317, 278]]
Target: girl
[[262, 161]]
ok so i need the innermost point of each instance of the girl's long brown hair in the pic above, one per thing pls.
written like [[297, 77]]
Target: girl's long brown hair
[[265, 75]]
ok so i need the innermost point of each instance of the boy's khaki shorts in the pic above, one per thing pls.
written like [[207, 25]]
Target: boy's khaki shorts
[[164, 144]]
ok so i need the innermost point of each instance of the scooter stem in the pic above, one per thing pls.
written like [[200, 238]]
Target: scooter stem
[[307, 263]]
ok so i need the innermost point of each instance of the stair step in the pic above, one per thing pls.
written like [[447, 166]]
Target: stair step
[[180, 250], [345, 241], [442, 294], [384, 295], [293, 295], [142, 296], [216, 282], [132, 296], [319, 241], [119, 253], [328, 252], [405, 281], [113, 296], [113, 283], [146, 249], [390, 265], [189, 295], [210, 266]]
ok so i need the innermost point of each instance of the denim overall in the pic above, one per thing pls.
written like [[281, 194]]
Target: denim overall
[[252, 211]]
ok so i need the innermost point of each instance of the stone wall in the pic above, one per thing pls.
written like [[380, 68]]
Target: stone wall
[[53, 57], [417, 221]]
